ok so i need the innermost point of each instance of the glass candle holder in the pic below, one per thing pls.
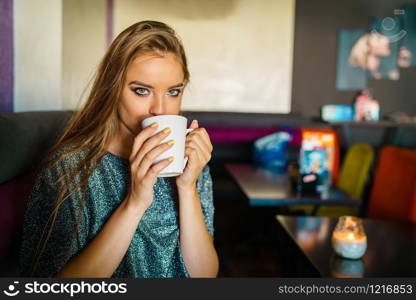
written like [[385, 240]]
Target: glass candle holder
[[346, 268], [349, 239]]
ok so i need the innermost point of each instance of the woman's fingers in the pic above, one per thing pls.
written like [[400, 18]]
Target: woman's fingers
[[140, 139], [149, 158], [206, 138], [199, 139], [147, 148], [200, 147], [154, 170], [149, 144], [203, 136], [195, 154]]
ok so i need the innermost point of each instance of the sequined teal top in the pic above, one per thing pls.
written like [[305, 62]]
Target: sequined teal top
[[154, 250]]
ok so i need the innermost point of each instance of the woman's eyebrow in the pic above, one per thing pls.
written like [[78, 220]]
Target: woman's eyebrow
[[151, 87], [142, 84], [177, 86]]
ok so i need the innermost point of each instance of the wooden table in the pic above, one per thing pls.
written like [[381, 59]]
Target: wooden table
[[391, 247], [264, 188]]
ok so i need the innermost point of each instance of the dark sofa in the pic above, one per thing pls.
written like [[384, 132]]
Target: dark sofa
[[24, 138]]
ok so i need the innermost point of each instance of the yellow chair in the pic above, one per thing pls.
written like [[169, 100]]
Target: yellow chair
[[355, 168], [352, 180]]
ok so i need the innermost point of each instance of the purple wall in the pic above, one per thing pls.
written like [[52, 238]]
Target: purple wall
[[110, 12], [6, 56]]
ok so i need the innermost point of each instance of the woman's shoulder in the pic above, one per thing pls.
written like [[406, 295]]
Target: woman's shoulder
[[60, 162]]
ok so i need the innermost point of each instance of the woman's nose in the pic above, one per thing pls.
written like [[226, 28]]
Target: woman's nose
[[157, 107]]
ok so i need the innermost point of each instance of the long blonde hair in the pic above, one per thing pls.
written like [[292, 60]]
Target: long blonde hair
[[91, 128]]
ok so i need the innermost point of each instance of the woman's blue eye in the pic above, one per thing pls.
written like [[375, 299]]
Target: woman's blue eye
[[174, 93], [141, 91]]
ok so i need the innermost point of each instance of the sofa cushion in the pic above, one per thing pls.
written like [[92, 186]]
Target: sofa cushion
[[24, 139], [13, 195]]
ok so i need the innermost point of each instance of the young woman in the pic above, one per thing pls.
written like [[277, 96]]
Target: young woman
[[97, 208]]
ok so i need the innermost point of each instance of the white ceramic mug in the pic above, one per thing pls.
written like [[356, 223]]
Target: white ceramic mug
[[178, 133]]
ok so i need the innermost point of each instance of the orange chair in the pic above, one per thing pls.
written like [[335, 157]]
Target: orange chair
[[393, 195]]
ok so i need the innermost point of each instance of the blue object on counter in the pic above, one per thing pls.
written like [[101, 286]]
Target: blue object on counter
[[270, 152], [337, 113]]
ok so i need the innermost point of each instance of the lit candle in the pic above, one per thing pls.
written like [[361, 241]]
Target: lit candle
[[349, 239]]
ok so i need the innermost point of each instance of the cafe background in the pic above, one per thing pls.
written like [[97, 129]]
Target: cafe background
[[256, 67]]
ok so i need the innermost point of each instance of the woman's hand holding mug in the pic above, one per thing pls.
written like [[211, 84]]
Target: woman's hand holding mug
[[191, 150], [198, 149], [146, 148]]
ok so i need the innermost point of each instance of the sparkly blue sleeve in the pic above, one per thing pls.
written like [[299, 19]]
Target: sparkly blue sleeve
[[205, 191], [61, 245]]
